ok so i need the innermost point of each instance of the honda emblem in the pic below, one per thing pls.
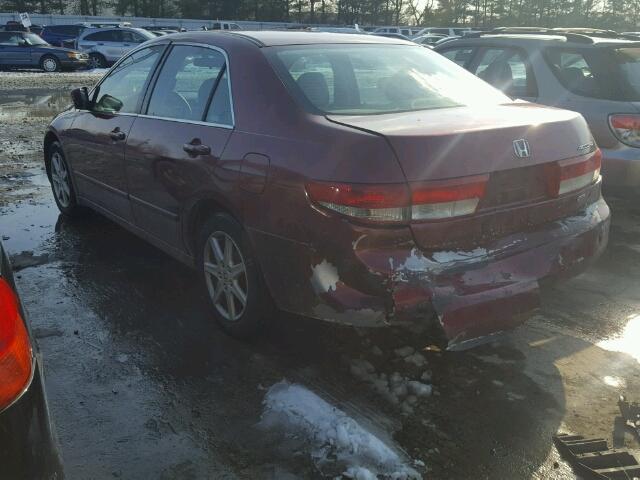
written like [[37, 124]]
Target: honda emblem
[[521, 148]]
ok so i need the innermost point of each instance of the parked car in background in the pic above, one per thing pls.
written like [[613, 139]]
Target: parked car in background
[[429, 39], [28, 50], [423, 195], [62, 35], [406, 31], [28, 449], [449, 32], [446, 39], [225, 26], [107, 45], [397, 36], [13, 26], [597, 76]]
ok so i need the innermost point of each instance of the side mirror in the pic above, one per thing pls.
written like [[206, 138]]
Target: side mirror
[[80, 98], [23, 43]]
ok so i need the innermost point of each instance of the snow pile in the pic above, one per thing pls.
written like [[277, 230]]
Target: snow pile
[[333, 436]]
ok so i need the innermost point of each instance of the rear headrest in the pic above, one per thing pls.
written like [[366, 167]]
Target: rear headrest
[[498, 74], [315, 88]]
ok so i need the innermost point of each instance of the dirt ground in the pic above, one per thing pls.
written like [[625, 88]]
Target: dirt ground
[[141, 384]]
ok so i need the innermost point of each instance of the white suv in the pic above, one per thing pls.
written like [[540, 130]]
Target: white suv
[[105, 46]]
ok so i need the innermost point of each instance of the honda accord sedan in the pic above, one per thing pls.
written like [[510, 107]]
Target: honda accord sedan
[[356, 179], [28, 449]]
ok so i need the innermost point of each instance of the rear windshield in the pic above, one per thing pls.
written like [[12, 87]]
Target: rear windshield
[[609, 73], [374, 79]]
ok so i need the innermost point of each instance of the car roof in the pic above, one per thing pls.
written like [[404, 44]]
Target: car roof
[[271, 38], [531, 39]]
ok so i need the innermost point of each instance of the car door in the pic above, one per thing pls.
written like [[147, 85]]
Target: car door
[[97, 139], [178, 142], [507, 69], [13, 51]]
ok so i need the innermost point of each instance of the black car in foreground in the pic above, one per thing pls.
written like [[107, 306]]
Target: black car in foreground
[[28, 449], [28, 50]]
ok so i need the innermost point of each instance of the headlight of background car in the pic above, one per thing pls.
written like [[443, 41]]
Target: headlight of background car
[[74, 55]]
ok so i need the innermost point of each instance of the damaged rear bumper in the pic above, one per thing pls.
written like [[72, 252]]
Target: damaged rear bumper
[[468, 294], [488, 290]]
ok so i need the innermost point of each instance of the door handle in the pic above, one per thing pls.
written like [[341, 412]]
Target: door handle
[[195, 148], [117, 135]]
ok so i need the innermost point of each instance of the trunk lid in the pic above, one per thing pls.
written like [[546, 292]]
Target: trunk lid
[[456, 142], [460, 142]]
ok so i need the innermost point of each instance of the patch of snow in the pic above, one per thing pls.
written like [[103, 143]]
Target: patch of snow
[[324, 277], [332, 435], [416, 262]]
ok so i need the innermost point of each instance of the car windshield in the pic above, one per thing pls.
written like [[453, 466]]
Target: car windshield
[[33, 39], [628, 60], [376, 79]]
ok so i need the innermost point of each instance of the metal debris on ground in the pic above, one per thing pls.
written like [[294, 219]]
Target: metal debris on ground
[[630, 412], [592, 458]]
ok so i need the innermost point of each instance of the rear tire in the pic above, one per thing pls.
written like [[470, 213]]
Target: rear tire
[[237, 293], [97, 60], [60, 177], [50, 64]]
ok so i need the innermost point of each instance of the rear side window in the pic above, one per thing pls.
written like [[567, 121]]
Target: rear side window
[[506, 69], [580, 72], [186, 83], [122, 90], [443, 31], [460, 55]]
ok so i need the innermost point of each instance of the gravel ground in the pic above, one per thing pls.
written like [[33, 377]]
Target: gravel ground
[[142, 385]]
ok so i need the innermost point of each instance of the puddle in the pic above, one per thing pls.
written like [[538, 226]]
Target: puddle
[[32, 105], [627, 342]]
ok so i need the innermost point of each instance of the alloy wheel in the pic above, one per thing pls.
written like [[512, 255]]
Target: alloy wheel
[[60, 180], [226, 276], [95, 61]]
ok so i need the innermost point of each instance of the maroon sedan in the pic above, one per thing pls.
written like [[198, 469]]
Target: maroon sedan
[[357, 179]]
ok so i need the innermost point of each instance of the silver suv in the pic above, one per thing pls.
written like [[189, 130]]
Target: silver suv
[[578, 70], [105, 46]]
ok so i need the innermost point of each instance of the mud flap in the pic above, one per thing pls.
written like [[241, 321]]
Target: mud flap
[[473, 318]]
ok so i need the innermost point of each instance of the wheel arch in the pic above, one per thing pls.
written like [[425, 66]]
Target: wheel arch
[[49, 139], [197, 213]]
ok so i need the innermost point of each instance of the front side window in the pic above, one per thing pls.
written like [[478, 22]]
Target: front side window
[[107, 36], [506, 69], [186, 82], [374, 79], [123, 89]]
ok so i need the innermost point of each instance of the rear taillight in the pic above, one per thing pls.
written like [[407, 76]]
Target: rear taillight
[[15, 348], [447, 198], [573, 174], [393, 203], [378, 202], [626, 128]]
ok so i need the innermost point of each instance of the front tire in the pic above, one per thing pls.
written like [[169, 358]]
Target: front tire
[[61, 184], [50, 64], [233, 282], [97, 60]]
